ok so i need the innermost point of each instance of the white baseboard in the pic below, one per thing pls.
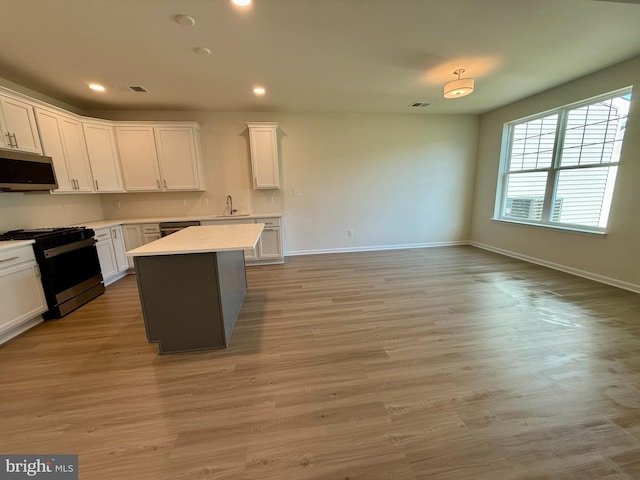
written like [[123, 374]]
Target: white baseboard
[[563, 268], [374, 248], [632, 287], [18, 329], [115, 278]]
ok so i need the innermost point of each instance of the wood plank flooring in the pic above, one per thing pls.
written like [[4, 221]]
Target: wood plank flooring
[[442, 364]]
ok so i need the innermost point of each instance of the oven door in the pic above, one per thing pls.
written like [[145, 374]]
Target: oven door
[[71, 275]]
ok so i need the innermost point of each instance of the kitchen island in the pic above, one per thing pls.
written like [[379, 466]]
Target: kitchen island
[[192, 285]]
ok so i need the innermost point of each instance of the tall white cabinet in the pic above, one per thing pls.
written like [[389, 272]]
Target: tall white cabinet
[[263, 142], [103, 156]]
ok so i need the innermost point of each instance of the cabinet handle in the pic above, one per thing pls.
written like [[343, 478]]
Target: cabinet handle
[[9, 259], [97, 187], [165, 183], [75, 184], [158, 183], [10, 141], [15, 140], [115, 233]]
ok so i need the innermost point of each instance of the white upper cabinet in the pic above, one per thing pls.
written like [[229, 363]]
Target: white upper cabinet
[[138, 158], [103, 156], [178, 154], [63, 140], [160, 157], [18, 126], [263, 141]]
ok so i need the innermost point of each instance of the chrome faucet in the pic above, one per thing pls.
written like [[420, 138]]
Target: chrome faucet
[[230, 205]]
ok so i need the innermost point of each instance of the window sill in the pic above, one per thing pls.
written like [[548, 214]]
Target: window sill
[[562, 228]]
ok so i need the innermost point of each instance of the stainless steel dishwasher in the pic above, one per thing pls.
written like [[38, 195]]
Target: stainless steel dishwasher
[[167, 228]]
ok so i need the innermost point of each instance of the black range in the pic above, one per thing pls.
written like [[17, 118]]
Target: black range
[[68, 263]]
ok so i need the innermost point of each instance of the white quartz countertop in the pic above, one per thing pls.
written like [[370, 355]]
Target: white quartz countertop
[[9, 244], [96, 224], [204, 239]]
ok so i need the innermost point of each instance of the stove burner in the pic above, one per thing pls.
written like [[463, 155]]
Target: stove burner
[[36, 233]]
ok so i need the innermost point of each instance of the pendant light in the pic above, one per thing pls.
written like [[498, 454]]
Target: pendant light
[[460, 87]]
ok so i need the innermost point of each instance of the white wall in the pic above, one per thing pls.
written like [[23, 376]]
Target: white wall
[[394, 180], [613, 258]]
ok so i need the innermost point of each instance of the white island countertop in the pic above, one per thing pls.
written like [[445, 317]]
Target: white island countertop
[[203, 239]]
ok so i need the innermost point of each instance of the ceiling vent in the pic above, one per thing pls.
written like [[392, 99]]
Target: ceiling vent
[[138, 89], [419, 104]]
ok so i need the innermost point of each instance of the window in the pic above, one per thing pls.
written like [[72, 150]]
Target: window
[[559, 168]]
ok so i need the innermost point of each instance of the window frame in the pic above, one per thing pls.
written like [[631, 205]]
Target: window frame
[[554, 169]]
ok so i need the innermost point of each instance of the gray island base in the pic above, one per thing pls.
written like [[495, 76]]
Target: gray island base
[[190, 297]]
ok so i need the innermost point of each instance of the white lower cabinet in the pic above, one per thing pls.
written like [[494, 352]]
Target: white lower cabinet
[[132, 239], [21, 294], [137, 235], [110, 247], [269, 247], [117, 237], [270, 243]]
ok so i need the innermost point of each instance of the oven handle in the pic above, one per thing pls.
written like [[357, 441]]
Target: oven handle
[[55, 251]]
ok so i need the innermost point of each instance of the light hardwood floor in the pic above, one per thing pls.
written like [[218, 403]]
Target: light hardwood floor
[[441, 364]]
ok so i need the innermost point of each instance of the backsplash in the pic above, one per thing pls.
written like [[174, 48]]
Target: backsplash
[[34, 210]]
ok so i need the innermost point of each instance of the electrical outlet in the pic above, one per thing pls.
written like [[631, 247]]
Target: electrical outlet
[[116, 204], [270, 198], [206, 201], [350, 232], [297, 192], [183, 202], [65, 208]]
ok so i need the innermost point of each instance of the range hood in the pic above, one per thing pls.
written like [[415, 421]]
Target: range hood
[[26, 172]]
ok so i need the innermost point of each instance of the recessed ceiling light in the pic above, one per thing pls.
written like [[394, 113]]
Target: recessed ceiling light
[[259, 90], [96, 87], [186, 20], [202, 50], [241, 3]]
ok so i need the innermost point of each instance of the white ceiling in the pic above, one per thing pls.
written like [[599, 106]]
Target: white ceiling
[[311, 55]]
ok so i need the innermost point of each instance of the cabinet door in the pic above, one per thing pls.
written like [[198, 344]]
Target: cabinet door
[[263, 141], [117, 237], [21, 295], [137, 149], [150, 237], [107, 258], [103, 157], [270, 243], [20, 124], [132, 239], [52, 145], [63, 141], [76, 153], [177, 155]]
